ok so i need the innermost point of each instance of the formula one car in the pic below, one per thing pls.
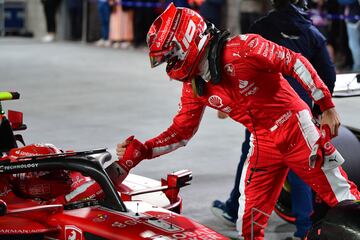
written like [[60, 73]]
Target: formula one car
[[138, 208], [347, 85]]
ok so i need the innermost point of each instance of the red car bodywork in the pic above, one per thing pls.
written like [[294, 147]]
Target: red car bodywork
[[146, 222]]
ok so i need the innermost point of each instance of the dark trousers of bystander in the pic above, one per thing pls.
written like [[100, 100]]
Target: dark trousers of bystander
[[50, 8], [143, 18]]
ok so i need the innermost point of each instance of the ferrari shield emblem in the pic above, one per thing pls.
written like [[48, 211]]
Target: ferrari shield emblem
[[73, 233]]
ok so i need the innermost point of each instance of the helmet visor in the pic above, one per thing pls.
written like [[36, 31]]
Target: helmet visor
[[157, 58]]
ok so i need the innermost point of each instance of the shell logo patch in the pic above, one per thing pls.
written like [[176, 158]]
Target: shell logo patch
[[215, 101]]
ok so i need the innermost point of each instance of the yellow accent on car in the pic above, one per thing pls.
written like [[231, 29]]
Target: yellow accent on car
[[9, 96], [5, 96]]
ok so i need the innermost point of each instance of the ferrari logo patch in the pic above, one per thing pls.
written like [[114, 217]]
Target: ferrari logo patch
[[73, 233]]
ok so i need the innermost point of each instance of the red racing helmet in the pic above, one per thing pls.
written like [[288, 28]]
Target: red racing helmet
[[178, 36], [44, 185]]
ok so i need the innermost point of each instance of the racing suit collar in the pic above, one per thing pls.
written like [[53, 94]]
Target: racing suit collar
[[203, 68]]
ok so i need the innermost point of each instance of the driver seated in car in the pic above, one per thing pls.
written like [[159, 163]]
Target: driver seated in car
[[57, 186]]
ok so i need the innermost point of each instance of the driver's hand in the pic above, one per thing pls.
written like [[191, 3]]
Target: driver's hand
[[121, 147], [131, 152], [331, 118], [221, 115]]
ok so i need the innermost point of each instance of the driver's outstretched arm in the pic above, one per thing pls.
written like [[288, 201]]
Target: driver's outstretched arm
[[184, 126]]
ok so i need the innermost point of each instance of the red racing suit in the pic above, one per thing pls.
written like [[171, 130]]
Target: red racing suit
[[254, 92]]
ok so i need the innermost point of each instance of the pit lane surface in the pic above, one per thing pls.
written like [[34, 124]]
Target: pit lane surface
[[79, 97]]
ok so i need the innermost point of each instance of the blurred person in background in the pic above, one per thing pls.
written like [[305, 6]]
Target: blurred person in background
[[327, 16], [121, 25], [50, 9], [177, 3], [288, 25], [144, 15], [251, 10], [318, 12], [212, 10], [104, 14], [352, 13], [194, 4], [75, 14]]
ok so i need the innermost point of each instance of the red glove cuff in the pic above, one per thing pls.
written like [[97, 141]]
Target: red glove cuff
[[135, 152]]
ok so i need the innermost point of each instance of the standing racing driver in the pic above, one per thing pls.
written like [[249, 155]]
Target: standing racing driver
[[242, 76]]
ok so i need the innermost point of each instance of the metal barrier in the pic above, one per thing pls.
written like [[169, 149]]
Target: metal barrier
[[253, 222]]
